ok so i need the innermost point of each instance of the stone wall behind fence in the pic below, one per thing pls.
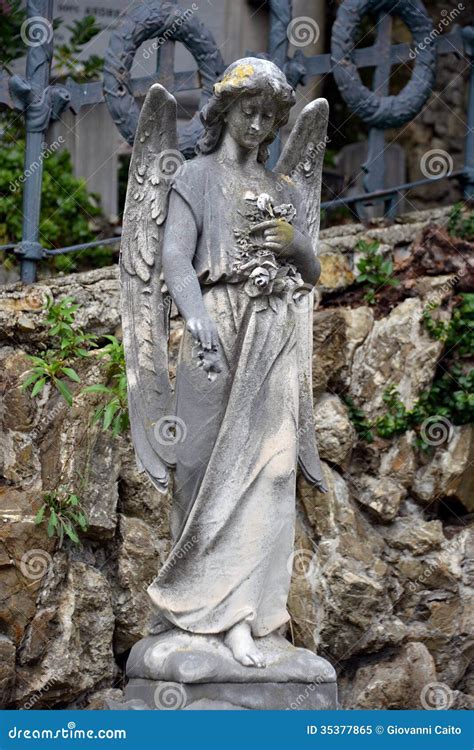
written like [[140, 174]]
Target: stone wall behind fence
[[382, 581]]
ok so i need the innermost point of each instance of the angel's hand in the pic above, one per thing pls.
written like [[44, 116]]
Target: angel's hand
[[204, 332], [279, 236]]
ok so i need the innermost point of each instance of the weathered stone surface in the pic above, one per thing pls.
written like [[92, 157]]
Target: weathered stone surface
[[398, 351], [418, 538], [335, 433], [97, 292], [448, 469], [345, 567], [7, 670], [138, 562], [261, 696], [68, 645], [99, 701], [380, 474], [25, 558], [336, 272], [393, 683], [255, 696], [380, 495], [176, 656]]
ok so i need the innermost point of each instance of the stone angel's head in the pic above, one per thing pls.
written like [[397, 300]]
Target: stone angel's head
[[253, 101]]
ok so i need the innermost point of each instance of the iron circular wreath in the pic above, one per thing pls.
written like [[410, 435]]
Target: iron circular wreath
[[383, 111], [160, 22]]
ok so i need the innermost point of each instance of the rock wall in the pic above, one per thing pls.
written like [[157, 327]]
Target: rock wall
[[383, 577]]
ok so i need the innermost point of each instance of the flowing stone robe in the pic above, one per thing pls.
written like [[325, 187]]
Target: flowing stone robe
[[238, 436]]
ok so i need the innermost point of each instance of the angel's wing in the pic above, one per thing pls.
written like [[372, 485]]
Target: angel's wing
[[302, 161], [145, 308]]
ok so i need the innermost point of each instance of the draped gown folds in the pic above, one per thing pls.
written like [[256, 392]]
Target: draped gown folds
[[236, 456]]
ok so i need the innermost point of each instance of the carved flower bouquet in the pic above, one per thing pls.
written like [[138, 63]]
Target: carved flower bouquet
[[265, 273]]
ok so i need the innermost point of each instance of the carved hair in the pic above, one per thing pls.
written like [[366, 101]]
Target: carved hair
[[249, 76]]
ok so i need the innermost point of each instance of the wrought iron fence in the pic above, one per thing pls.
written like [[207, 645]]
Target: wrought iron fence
[[41, 102]]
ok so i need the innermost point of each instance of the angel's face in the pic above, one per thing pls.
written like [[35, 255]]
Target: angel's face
[[251, 119]]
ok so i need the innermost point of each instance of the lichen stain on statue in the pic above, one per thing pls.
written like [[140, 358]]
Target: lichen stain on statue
[[237, 255], [235, 78]]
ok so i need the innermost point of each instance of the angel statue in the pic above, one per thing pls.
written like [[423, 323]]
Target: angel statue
[[232, 244]]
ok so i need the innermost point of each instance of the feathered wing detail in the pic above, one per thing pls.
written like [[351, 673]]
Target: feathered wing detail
[[145, 308], [302, 161]]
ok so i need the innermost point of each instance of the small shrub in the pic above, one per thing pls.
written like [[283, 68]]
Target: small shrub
[[62, 512], [375, 270]]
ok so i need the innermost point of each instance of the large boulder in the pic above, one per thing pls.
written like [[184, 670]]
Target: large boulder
[[398, 351], [67, 649]]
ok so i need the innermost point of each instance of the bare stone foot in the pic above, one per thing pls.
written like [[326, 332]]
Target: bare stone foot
[[242, 645]]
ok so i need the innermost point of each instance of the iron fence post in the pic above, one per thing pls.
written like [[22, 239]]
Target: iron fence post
[[38, 66], [468, 39]]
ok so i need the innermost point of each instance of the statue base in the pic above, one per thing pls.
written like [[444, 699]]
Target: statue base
[[179, 670]]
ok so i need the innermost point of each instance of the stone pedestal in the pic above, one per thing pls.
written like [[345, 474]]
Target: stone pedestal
[[177, 670]]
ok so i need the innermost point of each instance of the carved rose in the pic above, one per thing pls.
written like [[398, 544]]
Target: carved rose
[[264, 202], [260, 281], [285, 211]]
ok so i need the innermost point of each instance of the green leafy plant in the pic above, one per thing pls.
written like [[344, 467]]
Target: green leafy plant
[[113, 412], [66, 55], [68, 343], [359, 420], [459, 332], [12, 15], [50, 369], [375, 270], [62, 512], [397, 419], [460, 223], [436, 328], [65, 60], [67, 208]]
